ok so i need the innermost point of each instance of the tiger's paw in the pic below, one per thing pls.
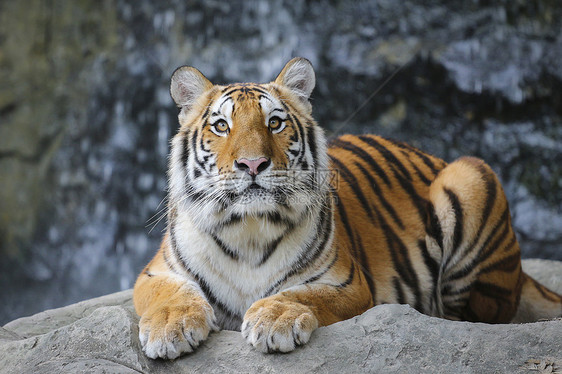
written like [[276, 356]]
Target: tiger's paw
[[273, 325], [172, 330]]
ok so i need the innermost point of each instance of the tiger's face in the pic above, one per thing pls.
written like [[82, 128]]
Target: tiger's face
[[246, 149]]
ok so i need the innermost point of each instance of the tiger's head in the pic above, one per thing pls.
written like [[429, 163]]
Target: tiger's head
[[246, 149]]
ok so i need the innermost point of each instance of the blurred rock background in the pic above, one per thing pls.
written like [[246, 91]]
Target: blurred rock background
[[85, 114]]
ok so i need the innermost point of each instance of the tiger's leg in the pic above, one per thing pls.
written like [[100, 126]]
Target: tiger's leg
[[287, 319], [175, 316], [480, 275]]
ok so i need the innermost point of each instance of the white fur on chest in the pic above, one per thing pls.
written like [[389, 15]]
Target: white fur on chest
[[237, 283]]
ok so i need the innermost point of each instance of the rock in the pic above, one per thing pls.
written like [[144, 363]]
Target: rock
[[101, 335], [46, 321]]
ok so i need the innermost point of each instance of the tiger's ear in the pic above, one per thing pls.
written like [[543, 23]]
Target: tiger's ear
[[187, 85], [298, 76]]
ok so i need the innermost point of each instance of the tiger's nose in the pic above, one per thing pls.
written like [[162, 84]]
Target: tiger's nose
[[252, 167]]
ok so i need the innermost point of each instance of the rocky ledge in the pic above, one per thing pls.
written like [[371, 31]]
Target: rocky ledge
[[101, 335]]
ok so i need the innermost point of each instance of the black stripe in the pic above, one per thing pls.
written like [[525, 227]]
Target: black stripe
[[275, 217], [312, 252], [365, 267], [266, 96], [512, 242], [324, 271], [426, 160], [311, 141], [419, 202], [402, 263], [506, 264], [468, 268], [206, 157], [195, 148], [185, 150], [401, 260], [429, 261], [433, 226], [482, 252], [234, 89], [491, 290], [211, 297], [354, 185], [205, 114], [195, 195], [387, 154], [272, 246], [419, 173], [350, 277], [488, 250], [458, 230], [346, 225], [224, 102], [245, 90], [294, 138], [259, 89], [359, 152], [294, 152], [378, 193], [398, 290], [302, 134], [354, 245], [224, 248], [448, 291], [231, 220], [199, 279], [402, 175], [491, 195], [325, 223], [167, 261], [545, 292]]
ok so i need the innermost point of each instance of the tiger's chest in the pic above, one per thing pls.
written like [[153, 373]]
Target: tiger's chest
[[239, 263]]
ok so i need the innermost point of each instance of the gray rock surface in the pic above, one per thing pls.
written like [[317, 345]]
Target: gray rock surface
[[101, 336]]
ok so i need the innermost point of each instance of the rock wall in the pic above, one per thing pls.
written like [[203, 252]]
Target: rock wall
[[101, 335], [85, 115]]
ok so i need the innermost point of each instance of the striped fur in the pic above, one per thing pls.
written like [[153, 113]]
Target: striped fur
[[273, 233]]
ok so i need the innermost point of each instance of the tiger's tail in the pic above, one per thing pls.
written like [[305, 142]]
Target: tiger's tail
[[536, 302]]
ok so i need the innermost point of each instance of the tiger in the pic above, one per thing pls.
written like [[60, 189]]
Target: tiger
[[273, 231]]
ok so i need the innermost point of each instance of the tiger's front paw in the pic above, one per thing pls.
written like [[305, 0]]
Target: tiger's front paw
[[168, 331], [277, 325]]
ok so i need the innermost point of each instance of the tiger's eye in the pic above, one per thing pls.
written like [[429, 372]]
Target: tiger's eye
[[221, 126], [274, 123]]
